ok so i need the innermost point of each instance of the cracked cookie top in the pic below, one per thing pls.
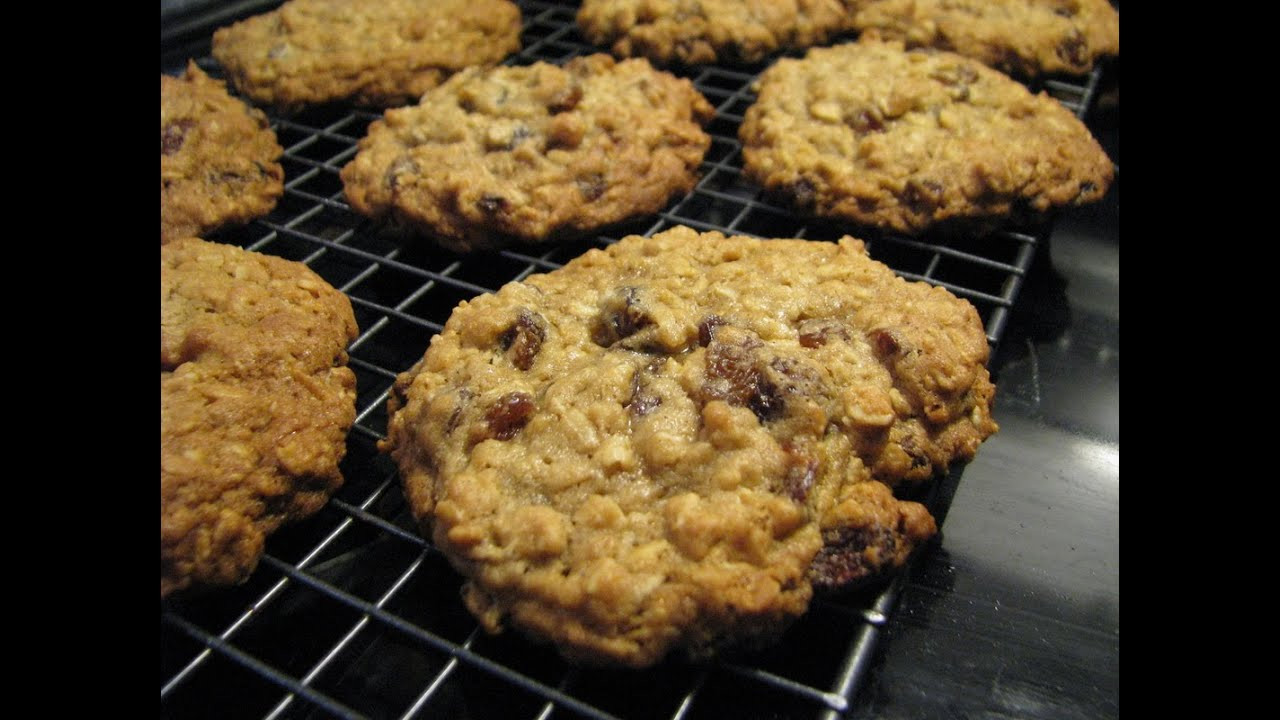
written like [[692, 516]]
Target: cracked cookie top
[[217, 158], [669, 444], [706, 31], [255, 404], [524, 154], [1021, 37], [900, 140], [377, 53]]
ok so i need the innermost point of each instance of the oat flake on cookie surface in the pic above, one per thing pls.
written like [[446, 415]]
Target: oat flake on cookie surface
[[907, 140], [668, 445]]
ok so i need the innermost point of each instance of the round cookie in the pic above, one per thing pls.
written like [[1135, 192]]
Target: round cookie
[[379, 53], [1021, 37], [897, 140], [217, 158], [525, 154], [708, 31], [255, 404], [669, 444]]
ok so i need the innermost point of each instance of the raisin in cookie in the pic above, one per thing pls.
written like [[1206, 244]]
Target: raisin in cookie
[[524, 154], [1020, 37], [900, 140], [217, 158], [707, 31], [377, 53], [667, 445], [255, 404]]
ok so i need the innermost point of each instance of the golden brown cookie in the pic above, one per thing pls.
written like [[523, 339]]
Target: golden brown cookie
[[255, 404], [379, 53], [217, 158], [870, 133], [1020, 37], [707, 31], [526, 154], [668, 444]]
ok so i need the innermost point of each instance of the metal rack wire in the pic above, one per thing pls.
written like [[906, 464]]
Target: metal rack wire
[[352, 614]]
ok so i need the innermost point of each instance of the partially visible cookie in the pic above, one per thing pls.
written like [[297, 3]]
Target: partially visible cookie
[[255, 404], [217, 158], [526, 154], [378, 53], [869, 133], [669, 444], [707, 31], [1021, 37]]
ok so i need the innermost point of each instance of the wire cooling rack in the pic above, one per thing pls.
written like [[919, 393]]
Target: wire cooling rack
[[352, 614]]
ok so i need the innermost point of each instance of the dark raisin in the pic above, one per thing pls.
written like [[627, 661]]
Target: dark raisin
[[400, 390], [707, 328], [493, 204], [519, 135], [732, 375], [923, 196], [804, 192], [173, 135], [455, 417], [642, 405], [816, 333], [884, 342], [591, 187], [789, 377], [621, 316], [566, 99], [402, 166], [642, 402], [841, 562], [509, 414], [766, 401], [1073, 50], [523, 340], [866, 121], [801, 472]]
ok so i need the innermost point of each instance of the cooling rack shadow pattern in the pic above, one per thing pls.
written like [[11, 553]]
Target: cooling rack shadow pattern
[[352, 614]]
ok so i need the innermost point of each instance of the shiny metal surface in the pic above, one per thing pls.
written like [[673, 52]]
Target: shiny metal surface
[[1017, 612]]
